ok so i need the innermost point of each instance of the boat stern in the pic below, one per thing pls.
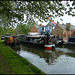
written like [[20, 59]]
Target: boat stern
[[49, 46]]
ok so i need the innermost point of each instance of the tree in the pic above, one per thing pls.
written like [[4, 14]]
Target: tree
[[22, 28], [13, 11], [68, 29], [1, 30], [8, 30], [11, 30]]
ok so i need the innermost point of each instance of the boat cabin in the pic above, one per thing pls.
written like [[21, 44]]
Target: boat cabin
[[10, 40]]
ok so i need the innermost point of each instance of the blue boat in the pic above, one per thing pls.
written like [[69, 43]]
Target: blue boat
[[71, 42]]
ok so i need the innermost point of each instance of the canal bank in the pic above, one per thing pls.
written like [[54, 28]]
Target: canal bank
[[12, 63]]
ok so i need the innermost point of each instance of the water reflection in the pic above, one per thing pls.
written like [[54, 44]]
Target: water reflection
[[49, 56], [54, 62]]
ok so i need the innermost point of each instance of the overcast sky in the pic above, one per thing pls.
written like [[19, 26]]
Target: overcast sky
[[66, 19]]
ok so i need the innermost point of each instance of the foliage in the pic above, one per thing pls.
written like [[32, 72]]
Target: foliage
[[1, 30], [68, 27], [7, 30], [1, 42], [11, 30], [13, 11], [6, 15], [22, 28]]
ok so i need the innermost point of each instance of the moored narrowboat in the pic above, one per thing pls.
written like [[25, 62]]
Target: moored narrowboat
[[2, 37], [10, 40], [71, 42], [40, 40], [60, 42]]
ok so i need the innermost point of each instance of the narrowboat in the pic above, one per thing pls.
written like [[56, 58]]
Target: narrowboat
[[60, 42], [10, 40], [39, 40], [2, 37], [71, 42]]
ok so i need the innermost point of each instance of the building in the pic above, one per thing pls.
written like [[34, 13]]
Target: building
[[61, 31], [35, 29], [54, 29], [50, 26], [41, 29]]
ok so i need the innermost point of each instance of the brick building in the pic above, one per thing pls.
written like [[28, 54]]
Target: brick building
[[61, 31], [34, 29]]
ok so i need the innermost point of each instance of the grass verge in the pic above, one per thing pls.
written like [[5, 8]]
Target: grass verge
[[12, 63]]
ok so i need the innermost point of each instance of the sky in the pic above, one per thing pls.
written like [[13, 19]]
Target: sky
[[66, 19]]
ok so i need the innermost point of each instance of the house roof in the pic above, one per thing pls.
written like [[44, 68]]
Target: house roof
[[72, 27], [51, 24], [64, 26], [37, 26]]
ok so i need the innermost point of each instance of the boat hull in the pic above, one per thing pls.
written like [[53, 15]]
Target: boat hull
[[49, 47]]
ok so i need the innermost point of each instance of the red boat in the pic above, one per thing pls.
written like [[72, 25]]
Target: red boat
[[49, 46]]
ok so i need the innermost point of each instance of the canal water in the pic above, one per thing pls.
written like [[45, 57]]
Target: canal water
[[58, 61]]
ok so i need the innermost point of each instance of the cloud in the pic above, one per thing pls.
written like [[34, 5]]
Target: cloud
[[66, 19]]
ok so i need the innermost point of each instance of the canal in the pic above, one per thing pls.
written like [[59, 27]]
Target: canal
[[58, 61]]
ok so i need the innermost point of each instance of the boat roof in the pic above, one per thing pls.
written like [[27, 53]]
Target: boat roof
[[35, 36], [39, 36], [8, 36]]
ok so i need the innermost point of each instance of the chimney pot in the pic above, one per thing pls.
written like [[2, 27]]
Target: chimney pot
[[57, 23], [40, 25], [67, 23]]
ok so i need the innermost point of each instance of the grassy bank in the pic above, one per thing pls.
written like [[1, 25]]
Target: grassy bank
[[12, 63]]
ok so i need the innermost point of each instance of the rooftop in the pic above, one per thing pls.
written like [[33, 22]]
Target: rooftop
[[38, 26], [64, 26], [51, 24]]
